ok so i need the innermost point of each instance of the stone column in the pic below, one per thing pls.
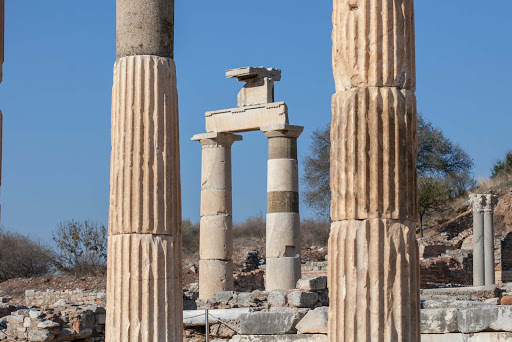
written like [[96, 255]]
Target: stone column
[[283, 268], [216, 235], [373, 252], [488, 213], [478, 202], [144, 290]]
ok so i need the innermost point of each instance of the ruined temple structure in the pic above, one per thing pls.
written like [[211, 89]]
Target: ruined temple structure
[[483, 238], [373, 252], [144, 290], [256, 111]]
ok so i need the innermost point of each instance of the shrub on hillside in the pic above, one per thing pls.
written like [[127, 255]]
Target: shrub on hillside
[[190, 236], [315, 232], [503, 167], [22, 257], [253, 227], [81, 248]]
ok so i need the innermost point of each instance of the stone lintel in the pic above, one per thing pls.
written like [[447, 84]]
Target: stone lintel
[[280, 130], [248, 118], [245, 73]]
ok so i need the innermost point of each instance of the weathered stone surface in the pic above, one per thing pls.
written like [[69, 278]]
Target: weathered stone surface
[[270, 322], [248, 118], [480, 337], [483, 292], [283, 175], [439, 321], [283, 202], [283, 235], [145, 28], [315, 322], [220, 276], [282, 273], [373, 265], [277, 298], [312, 284], [147, 268], [373, 44], [373, 154], [281, 338], [301, 299], [259, 87], [498, 318], [216, 237], [145, 169]]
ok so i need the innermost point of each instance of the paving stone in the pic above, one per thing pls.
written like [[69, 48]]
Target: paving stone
[[277, 298]]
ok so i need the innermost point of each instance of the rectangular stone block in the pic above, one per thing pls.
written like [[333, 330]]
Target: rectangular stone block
[[249, 118], [492, 318], [480, 337], [270, 322], [439, 321], [482, 292], [216, 240], [280, 338]]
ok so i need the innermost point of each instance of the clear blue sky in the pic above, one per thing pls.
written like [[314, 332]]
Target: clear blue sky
[[58, 76]]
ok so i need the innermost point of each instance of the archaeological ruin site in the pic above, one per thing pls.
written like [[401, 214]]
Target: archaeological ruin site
[[376, 280]]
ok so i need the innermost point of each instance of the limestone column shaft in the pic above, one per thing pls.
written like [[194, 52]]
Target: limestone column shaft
[[478, 202], [490, 266], [144, 289], [283, 267], [2, 34], [216, 227], [373, 252]]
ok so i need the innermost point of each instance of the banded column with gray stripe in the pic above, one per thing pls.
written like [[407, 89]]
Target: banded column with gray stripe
[[216, 227], [283, 268]]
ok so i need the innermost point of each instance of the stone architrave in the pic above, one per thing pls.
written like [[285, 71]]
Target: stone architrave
[[216, 227], [144, 290], [478, 202], [488, 213], [373, 253], [283, 268]]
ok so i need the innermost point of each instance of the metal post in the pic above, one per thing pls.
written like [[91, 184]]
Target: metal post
[[207, 325]]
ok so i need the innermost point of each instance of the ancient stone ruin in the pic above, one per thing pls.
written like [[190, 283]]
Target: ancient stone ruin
[[373, 252], [256, 111], [144, 290], [2, 30]]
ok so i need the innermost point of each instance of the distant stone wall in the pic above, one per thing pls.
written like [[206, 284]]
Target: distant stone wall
[[454, 267], [78, 297]]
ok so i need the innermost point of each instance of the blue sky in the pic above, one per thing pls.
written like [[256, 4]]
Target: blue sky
[[55, 95]]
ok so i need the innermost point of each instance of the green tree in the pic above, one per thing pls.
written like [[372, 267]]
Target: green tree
[[438, 157], [503, 167], [433, 194]]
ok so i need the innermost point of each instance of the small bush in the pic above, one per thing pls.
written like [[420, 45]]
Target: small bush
[[190, 236], [81, 248], [22, 257], [315, 233], [252, 227]]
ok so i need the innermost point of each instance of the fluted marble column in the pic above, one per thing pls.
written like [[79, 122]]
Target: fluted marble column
[[373, 252], [216, 234], [144, 290], [490, 266], [283, 267], [478, 202]]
